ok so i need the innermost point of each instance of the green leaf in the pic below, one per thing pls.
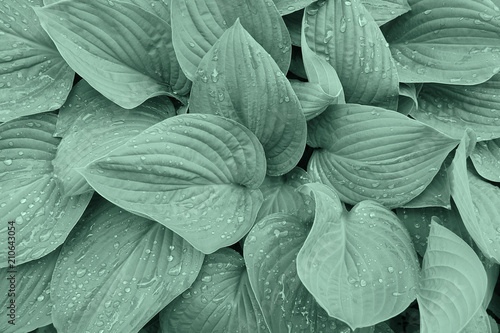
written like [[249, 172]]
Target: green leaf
[[28, 285], [313, 100], [453, 283], [446, 41], [117, 270], [281, 195], [34, 77], [219, 300], [372, 153], [120, 49], [100, 127], [486, 159], [408, 97], [270, 252], [237, 79], [198, 24], [286, 7], [30, 196], [335, 29], [480, 322], [353, 260], [384, 11], [451, 108], [196, 174]]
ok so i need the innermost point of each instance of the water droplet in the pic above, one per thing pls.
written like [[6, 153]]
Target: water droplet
[[174, 271], [427, 12], [390, 269], [206, 278], [362, 20], [7, 162], [40, 298], [81, 272], [343, 24]]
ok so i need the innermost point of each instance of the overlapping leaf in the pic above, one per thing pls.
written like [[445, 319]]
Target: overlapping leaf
[[408, 97], [345, 34], [353, 260], [117, 270], [29, 194], [446, 42], [100, 127], [270, 252], [34, 77], [372, 153], [453, 283], [124, 51], [486, 159], [384, 11], [451, 108], [198, 24], [196, 174], [219, 300], [286, 7], [238, 79], [27, 288]]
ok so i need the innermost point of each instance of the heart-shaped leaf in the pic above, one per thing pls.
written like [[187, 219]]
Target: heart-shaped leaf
[[353, 260], [237, 79], [117, 270], [35, 78], [29, 194], [220, 299], [486, 159], [196, 174]]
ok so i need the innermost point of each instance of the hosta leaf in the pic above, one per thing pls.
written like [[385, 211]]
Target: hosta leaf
[[198, 24], [453, 283], [100, 126], [270, 252], [196, 174], [408, 97], [286, 7], [345, 34], [372, 153], [486, 159], [237, 79], [34, 78], [353, 260], [480, 322], [451, 108], [446, 42], [384, 11], [220, 300], [117, 270], [120, 49], [28, 285], [313, 100], [29, 194], [281, 195]]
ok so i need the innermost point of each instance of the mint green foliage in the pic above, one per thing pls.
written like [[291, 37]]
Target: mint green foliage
[[250, 166]]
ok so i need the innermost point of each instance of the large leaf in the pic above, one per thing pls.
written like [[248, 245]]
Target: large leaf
[[345, 34], [117, 270], [220, 300], [446, 41], [26, 294], [29, 194], [270, 253], [486, 159], [100, 126], [384, 11], [451, 108], [196, 174], [353, 260], [34, 77], [453, 283], [237, 79], [198, 24], [122, 50], [372, 153]]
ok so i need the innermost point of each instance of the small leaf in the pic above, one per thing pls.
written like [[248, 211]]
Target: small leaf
[[453, 283], [30, 195], [26, 300], [237, 79], [446, 42], [384, 11], [375, 154], [313, 99], [270, 251], [451, 109], [35, 78], [198, 24], [220, 299], [334, 29], [120, 49], [353, 260], [117, 270], [486, 159], [100, 126], [196, 174], [408, 97]]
